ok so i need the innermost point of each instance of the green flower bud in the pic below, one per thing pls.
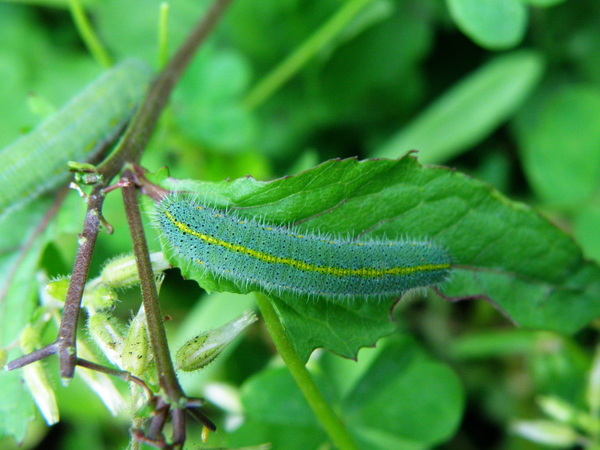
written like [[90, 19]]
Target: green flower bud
[[106, 331], [136, 351], [98, 297], [122, 271], [57, 289], [204, 348]]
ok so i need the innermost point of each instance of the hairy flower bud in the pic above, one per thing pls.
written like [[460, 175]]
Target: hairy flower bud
[[136, 351], [122, 271], [107, 333], [204, 348]]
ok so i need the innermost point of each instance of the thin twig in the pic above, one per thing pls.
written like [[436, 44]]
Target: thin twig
[[121, 374], [67, 333], [158, 337]]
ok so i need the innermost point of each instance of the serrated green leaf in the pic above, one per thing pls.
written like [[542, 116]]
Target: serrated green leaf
[[469, 111], [493, 24], [355, 325], [503, 250]]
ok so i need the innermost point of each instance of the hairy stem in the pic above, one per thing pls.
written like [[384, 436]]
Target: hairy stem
[[329, 420], [67, 351], [158, 337]]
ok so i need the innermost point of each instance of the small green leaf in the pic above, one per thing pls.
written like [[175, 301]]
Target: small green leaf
[[493, 24], [272, 396], [561, 146], [354, 325], [405, 397], [470, 111]]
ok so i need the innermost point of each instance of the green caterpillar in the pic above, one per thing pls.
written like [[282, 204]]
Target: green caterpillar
[[279, 259], [37, 161]]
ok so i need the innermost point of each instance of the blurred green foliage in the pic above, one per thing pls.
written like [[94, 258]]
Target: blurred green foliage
[[507, 91]]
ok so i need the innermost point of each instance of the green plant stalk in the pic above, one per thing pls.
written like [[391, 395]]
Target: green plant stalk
[[331, 422], [286, 69], [163, 25], [88, 35]]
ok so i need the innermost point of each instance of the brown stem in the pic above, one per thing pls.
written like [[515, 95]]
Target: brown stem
[[65, 343], [66, 340], [139, 132], [129, 149], [32, 357], [120, 374], [158, 338]]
